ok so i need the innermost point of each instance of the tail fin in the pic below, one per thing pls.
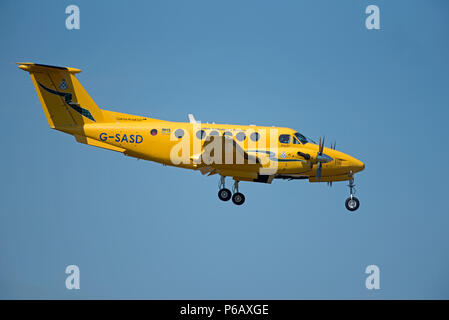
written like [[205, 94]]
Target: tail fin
[[65, 102]]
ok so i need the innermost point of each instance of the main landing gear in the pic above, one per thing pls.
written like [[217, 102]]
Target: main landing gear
[[225, 194], [352, 203]]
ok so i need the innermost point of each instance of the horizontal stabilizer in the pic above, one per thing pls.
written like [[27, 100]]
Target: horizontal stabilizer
[[96, 143]]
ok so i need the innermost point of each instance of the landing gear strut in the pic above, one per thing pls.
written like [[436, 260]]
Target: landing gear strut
[[238, 198], [352, 203], [225, 194]]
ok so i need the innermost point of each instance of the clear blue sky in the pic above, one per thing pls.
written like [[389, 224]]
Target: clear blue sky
[[137, 229]]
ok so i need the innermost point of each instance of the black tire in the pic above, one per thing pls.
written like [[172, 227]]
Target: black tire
[[224, 194], [352, 204], [238, 198]]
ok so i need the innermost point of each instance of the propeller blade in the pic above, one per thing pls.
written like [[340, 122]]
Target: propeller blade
[[321, 146], [318, 172]]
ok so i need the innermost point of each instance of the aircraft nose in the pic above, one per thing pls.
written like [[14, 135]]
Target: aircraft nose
[[356, 165]]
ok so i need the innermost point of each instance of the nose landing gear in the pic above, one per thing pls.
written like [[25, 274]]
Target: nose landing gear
[[225, 194], [352, 203]]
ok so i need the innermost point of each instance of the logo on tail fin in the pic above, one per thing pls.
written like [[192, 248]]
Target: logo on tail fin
[[68, 100], [63, 85]]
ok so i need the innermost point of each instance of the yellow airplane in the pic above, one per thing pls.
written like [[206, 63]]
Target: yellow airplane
[[245, 153]]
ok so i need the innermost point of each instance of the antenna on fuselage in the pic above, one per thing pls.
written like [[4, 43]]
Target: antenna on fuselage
[[192, 119]]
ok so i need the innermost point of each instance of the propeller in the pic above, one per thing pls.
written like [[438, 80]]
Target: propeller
[[321, 158], [333, 146], [320, 153]]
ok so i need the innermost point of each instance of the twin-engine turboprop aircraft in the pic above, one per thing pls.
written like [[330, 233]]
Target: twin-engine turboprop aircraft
[[245, 153]]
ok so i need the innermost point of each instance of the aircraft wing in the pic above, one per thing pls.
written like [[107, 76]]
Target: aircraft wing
[[223, 154]]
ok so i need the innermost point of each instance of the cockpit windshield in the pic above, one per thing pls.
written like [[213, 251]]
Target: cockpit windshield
[[301, 138]]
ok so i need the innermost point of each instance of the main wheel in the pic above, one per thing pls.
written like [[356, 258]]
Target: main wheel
[[238, 198], [224, 194], [352, 203]]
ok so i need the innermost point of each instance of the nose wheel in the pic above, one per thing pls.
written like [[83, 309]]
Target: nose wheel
[[226, 194], [352, 203]]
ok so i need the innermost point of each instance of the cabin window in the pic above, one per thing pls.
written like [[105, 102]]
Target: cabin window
[[154, 132], [284, 138], [227, 134], [214, 133], [240, 136], [255, 136], [201, 134], [179, 133]]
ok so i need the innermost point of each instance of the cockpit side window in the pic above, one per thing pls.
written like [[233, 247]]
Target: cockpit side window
[[301, 138], [295, 140], [284, 138]]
